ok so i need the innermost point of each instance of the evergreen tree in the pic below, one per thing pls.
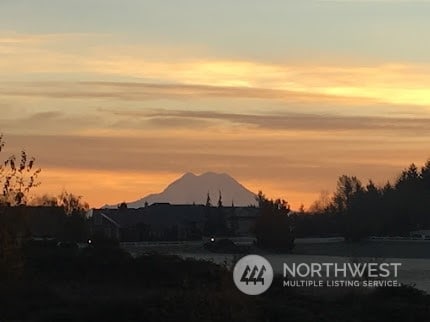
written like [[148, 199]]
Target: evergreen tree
[[208, 200], [220, 200]]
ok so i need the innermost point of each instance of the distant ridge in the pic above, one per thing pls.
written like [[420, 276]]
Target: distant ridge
[[191, 188]]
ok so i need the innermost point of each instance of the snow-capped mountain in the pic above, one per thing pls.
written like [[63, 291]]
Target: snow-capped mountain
[[191, 188]]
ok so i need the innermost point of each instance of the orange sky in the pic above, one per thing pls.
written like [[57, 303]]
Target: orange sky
[[116, 107]]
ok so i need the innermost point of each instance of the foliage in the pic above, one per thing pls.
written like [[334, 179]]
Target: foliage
[[208, 200], [17, 177], [71, 203], [220, 199], [358, 210], [322, 203], [273, 227]]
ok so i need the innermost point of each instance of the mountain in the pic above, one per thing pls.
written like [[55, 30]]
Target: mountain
[[191, 188]]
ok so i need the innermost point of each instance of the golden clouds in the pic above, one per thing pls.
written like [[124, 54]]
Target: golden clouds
[[73, 55], [115, 122], [112, 169]]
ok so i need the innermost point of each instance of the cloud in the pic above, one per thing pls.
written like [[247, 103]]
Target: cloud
[[276, 163], [80, 95], [281, 121], [293, 126], [55, 122], [130, 121], [245, 152], [138, 91], [74, 57]]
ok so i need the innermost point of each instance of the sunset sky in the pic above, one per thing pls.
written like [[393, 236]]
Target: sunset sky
[[116, 99]]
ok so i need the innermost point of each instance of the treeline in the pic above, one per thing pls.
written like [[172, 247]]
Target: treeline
[[19, 175], [358, 210]]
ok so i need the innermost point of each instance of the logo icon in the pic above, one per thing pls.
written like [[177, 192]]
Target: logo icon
[[253, 274]]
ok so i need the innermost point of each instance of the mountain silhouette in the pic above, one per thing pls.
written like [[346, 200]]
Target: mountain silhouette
[[191, 188]]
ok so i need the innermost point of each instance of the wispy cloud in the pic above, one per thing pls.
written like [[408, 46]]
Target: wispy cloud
[[141, 91], [26, 58], [311, 163], [115, 111], [299, 122]]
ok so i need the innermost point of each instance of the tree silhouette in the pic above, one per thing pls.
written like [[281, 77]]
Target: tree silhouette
[[220, 200], [122, 205], [72, 204], [75, 227], [17, 177], [208, 200], [322, 203], [358, 211], [273, 227], [302, 209]]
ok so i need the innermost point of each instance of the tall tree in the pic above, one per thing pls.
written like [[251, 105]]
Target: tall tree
[[322, 203], [72, 204], [208, 200], [220, 200], [346, 189], [273, 227]]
